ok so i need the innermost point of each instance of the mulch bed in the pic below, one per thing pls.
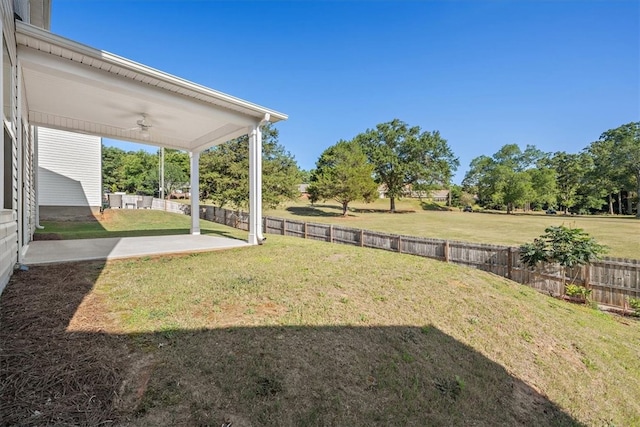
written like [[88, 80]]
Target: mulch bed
[[49, 375]]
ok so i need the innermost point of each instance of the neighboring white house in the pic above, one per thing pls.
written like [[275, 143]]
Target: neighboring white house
[[52, 82], [69, 181]]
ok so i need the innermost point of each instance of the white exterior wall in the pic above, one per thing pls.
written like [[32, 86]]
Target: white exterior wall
[[69, 169], [9, 217]]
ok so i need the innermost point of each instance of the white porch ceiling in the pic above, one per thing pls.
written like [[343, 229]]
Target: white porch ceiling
[[74, 87]]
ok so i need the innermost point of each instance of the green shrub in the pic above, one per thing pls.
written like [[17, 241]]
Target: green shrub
[[577, 291], [635, 304], [567, 247]]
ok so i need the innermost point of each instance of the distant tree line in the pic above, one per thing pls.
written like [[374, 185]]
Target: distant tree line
[[138, 172], [396, 156], [224, 172], [603, 175]]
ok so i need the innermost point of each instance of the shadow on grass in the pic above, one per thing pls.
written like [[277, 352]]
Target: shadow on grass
[[61, 368], [314, 211], [432, 206], [317, 211]]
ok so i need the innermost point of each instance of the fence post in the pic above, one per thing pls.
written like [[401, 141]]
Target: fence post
[[305, 229], [224, 214], [361, 238], [587, 276], [331, 233], [446, 251], [284, 227], [399, 244], [509, 262]]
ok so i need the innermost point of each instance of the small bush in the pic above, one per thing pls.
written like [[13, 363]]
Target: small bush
[[635, 304], [577, 291]]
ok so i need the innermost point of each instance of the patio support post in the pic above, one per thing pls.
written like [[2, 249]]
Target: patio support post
[[195, 192], [255, 182], [263, 122], [254, 195]]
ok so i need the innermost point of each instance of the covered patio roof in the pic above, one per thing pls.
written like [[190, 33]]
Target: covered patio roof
[[63, 84], [74, 87]]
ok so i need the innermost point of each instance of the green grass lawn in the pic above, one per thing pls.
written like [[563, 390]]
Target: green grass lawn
[[304, 333], [131, 223], [620, 234]]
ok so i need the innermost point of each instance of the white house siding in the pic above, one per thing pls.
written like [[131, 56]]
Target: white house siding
[[9, 178], [69, 169], [8, 245], [27, 199]]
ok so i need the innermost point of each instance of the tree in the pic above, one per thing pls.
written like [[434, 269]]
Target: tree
[[136, 177], [305, 176], [508, 178], [568, 247], [570, 172], [459, 197], [224, 172], [625, 155], [342, 173], [543, 185], [112, 160], [402, 155]]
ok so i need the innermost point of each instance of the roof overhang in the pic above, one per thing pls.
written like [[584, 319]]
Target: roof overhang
[[74, 87]]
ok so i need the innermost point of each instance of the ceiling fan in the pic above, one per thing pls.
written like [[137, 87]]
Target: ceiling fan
[[143, 126]]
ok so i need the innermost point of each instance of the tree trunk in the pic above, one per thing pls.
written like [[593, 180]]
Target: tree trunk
[[393, 204], [344, 208], [509, 208], [629, 204], [619, 202], [638, 193], [610, 205]]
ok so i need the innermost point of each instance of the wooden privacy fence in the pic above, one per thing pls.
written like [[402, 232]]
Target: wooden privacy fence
[[612, 280]]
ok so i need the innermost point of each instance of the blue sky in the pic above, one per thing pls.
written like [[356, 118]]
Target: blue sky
[[555, 74]]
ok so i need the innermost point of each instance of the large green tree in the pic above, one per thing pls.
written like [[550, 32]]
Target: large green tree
[[112, 160], [511, 178], [402, 155], [224, 172], [343, 174], [570, 173], [177, 171], [616, 159]]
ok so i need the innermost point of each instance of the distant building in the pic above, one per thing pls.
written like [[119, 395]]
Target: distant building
[[409, 192]]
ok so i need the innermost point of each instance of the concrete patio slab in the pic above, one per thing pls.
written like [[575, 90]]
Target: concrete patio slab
[[56, 251]]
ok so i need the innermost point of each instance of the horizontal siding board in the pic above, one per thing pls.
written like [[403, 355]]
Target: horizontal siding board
[[69, 169]]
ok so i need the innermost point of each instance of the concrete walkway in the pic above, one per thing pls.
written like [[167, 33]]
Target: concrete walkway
[[55, 251]]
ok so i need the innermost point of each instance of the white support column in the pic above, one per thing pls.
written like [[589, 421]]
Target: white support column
[[254, 193], [195, 192], [259, 182]]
